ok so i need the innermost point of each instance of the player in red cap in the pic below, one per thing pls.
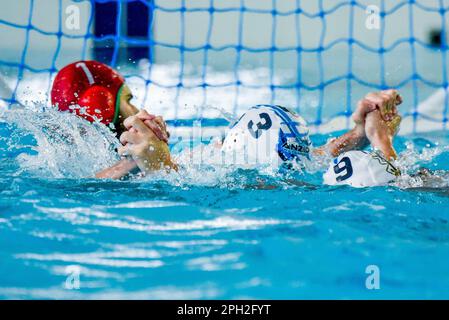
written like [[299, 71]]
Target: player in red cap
[[96, 92]]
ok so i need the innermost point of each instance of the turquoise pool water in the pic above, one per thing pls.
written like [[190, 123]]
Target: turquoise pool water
[[208, 234]]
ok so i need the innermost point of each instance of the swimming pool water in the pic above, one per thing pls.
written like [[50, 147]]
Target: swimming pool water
[[213, 235]]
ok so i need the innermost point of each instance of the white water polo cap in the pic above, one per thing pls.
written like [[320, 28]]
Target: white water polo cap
[[267, 135], [360, 169]]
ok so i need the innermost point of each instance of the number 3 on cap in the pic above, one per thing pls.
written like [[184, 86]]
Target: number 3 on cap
[[265, 125], [86, 70]]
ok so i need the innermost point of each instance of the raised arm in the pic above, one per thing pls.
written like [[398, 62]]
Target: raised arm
[[356, 139], [381, 133]]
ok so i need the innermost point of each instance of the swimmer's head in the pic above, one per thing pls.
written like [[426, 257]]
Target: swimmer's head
[[93, 91], [267, 135]]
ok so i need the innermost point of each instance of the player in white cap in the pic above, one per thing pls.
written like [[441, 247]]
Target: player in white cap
[[275, 136]]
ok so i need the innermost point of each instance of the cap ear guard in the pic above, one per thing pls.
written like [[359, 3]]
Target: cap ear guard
[[97, 102]]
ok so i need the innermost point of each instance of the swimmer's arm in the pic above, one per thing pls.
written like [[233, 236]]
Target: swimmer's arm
[[354, 139], [381, 133], [118, 171], [385, 145], [153, 157], [385, 104]]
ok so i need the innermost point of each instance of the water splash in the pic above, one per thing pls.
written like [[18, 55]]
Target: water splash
[[414, 162], [64, 146]]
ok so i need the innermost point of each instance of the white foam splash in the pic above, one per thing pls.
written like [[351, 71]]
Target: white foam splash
[[412, 164], [66, 145]]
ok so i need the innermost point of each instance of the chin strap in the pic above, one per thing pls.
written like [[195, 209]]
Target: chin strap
[[117, 105]]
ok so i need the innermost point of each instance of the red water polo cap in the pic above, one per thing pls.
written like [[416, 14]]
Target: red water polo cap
[[89, 89]]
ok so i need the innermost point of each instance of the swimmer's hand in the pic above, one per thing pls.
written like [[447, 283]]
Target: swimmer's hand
[[142, 144], [156, 124], [385, 101]]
